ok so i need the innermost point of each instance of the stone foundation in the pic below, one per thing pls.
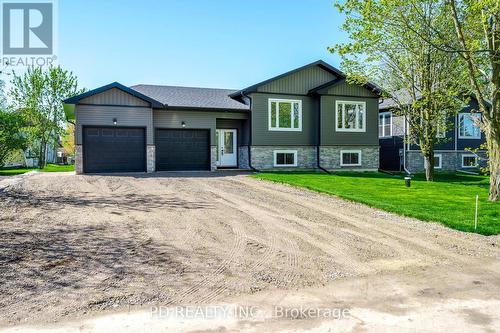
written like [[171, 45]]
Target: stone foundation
[[450, 160], [330, 157], [243, 157], [263, 157], [151, 158], [78, 159]]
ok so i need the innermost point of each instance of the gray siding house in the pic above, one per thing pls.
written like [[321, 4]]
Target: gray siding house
[[308, 118], [459, 147]]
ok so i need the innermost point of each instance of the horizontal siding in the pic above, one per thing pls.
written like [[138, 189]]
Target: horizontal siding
[[99, 115], [114, 96], [300, 82], [193, 119], [261, 135], [348, 89], [329, 136]]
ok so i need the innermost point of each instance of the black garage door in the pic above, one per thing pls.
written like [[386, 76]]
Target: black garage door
[[182, 149], [114, 149]]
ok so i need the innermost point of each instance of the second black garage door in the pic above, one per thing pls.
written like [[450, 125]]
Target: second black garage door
[[114, 149], [182, 149]]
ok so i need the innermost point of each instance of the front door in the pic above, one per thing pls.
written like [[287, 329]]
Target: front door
[[227, 148]]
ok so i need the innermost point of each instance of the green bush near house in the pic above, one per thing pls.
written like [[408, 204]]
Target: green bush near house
[[48, 168], [449, 200]]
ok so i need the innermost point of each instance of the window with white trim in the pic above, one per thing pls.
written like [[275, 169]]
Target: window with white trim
[[285, 158], [350, 157], [350, 116], [285, 115], [469, 161], [438, 158], [384, 124], [467, 127]]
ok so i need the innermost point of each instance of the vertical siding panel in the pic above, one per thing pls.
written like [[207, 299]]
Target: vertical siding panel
[[300, 82], [114, 96]]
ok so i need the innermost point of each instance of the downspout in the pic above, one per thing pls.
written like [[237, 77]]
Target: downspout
[[404, 146], [250, 134], [318, 154]]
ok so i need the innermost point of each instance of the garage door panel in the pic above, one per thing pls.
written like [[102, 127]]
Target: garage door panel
[[114, 149], [182, 149]]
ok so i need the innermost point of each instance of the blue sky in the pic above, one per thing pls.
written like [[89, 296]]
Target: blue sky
[[203, 43]]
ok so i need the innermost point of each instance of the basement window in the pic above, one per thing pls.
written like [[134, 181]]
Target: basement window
[[437, 161], [469, 161], [350, 158], [285, 158]]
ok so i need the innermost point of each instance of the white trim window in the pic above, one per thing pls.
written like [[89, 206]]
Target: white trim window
[[350, 158], [438, 161], [350, 116], [385, 124], [467, 127], [285, 158], [285, 115], [469, 161]]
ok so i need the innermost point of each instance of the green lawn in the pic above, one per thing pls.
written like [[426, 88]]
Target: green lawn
[[450, 199], [48, 168]]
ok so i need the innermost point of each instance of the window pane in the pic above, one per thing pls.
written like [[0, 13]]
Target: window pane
[[361, 116], [469, 160], [280, 159], [273, 114], [468, 128], [350, 118], [436, 160], [295, 115], [340, 112], [289, 158], [228, 143], [285, 115], [380, 130], [350, 158]]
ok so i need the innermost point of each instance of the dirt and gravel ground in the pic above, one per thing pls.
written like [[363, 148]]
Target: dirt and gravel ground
[[74, 246]]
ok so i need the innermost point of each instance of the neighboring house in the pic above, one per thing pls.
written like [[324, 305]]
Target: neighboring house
[[307, 118], [458, 149]]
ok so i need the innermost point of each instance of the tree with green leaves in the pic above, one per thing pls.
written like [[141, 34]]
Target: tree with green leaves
[[38, 95], [11, 134], [466, 32], [477, 42], [384, 45]]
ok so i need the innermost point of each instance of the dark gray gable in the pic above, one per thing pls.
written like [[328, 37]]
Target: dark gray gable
[[341, 87], [298, 81], [114, 94]]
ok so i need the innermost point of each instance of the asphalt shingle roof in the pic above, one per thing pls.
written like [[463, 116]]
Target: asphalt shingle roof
[[187, 97]]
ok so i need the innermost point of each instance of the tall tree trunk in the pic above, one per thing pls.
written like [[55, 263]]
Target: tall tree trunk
[[429, 166], [492, 133]]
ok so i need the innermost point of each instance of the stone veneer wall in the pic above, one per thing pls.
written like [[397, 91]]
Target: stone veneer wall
[[450, 160], [263, 157], [78, 159], [213, 158], [243, 157], [151, 158], [330, 157]]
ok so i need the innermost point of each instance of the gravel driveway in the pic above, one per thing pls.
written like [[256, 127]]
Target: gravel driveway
[[73, 246]]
